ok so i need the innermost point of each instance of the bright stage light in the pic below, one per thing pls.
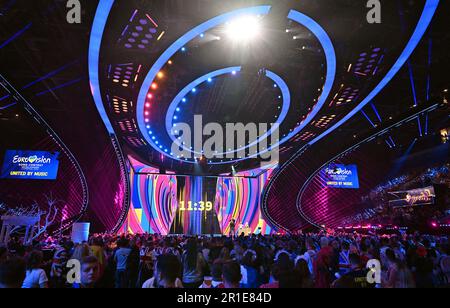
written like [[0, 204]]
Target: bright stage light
[[244, 28]]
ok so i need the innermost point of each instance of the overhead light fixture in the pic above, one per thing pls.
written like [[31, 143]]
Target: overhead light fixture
[[244, 28]]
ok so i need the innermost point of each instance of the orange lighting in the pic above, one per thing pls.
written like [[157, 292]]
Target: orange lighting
[[170, 62], [154, 86], [160, 75]]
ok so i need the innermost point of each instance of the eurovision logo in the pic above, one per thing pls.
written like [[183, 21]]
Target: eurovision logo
[[338, 171], [31, 165], [31, 160]]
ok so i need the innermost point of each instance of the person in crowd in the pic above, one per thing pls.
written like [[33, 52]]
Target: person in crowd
[[194, 265], [121, 256], [59, 269], [310, 254], [423, 268], [323, 266], [133, 263], [225, 254], [97, 250], [398, 275], [35, 275], [90, 273], [274, 281], [205, 250], [81, 251], [231, 275], [356, 277], [233, 228], [237, 251], [250, 274], [215, 280], [3, 253], [146, 262], [12, 273], [168, 269], [302, 270]]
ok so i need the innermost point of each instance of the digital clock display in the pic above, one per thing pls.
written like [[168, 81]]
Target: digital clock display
[[196, 206]]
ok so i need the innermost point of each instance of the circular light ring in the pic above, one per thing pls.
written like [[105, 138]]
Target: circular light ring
[[175, 47], [294, 15], [176, 101]]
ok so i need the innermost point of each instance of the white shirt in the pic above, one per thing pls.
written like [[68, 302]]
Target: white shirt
[[34, 278]]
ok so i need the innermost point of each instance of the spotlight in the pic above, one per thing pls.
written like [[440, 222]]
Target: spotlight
[[160, 75], [209, 79], [170, 62], [150, 96], [183, 49], [194, 90], [184, 100], [202, 35], [154, 86], [244, 28], [233, 72]]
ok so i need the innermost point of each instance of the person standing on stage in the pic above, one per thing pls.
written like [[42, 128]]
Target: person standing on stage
[[232, 228]]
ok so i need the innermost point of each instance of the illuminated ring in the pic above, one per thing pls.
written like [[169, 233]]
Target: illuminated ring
[[279, 82], [175, 47], [296, 16]]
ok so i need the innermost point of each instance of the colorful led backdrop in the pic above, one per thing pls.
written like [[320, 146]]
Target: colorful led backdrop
[[165, 204]]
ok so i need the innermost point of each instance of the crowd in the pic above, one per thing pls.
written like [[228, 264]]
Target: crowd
[[279, 261]]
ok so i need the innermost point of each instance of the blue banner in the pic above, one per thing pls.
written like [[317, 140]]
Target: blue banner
[[341, 176], [30, 165]]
